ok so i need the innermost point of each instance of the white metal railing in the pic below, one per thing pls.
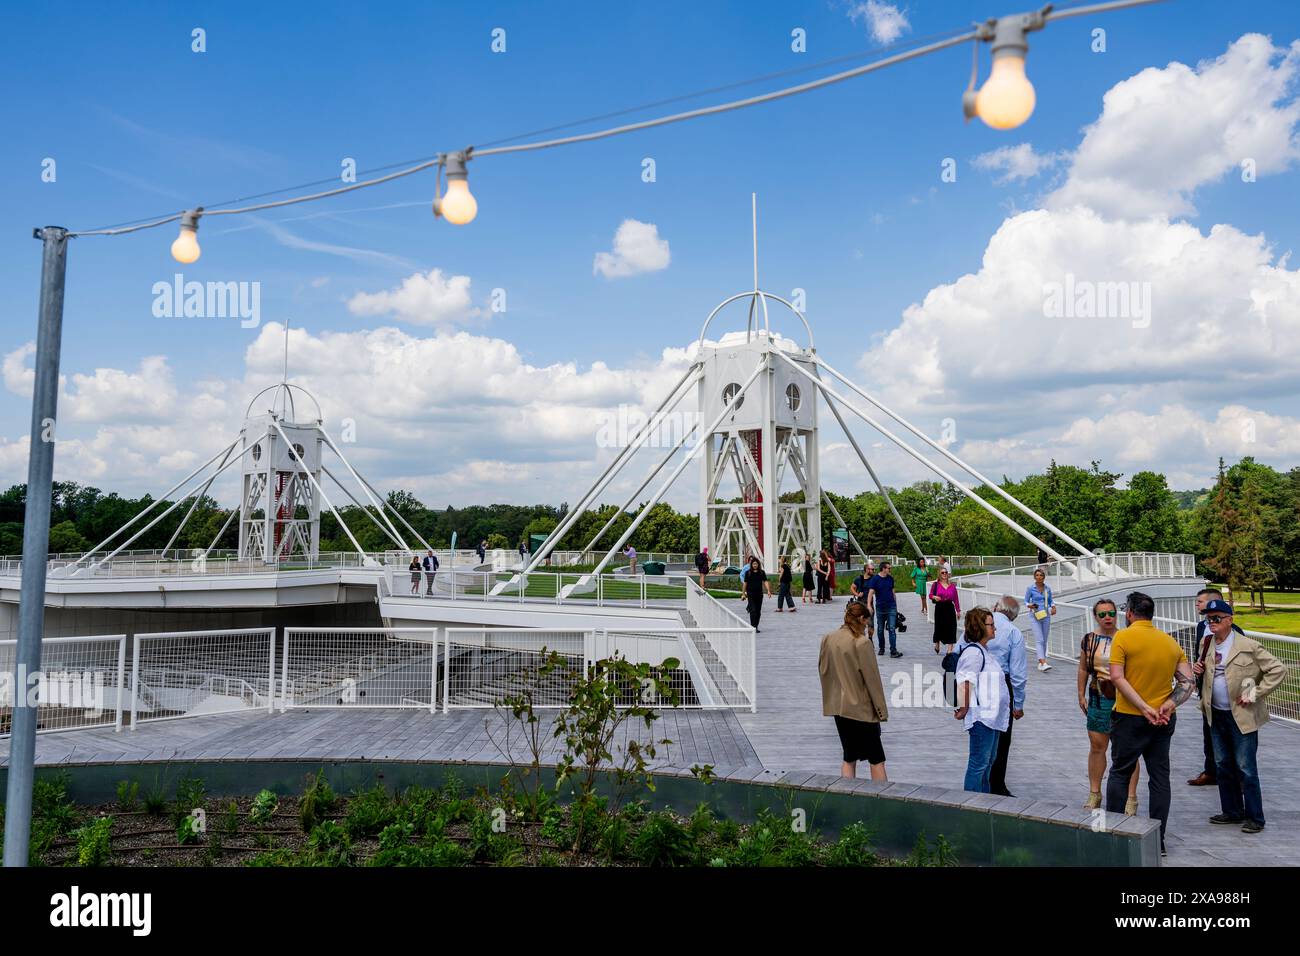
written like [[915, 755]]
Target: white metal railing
[[81, 683], [200, 673], [370, 667], [1085, 571], [484, 666], [548, 587]]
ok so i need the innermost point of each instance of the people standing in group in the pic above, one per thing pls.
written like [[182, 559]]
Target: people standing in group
[[823, 578], [630, 553], [884, 606], [1097, 700], [1144, 663], [702, 564], [784, 583], [1008, 647], [755, 584], [982, 701], [430, 569], [919, 578], [1234, 689], [414, 568], [1041, 605], [830, 577], [852, 692], [947, 609], [809, 582], [1209, 776]]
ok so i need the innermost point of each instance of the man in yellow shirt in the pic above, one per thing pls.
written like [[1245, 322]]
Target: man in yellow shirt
[[1145, 665]]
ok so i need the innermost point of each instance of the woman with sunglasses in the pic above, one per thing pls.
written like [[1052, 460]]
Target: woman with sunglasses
[[1097, 697], [947, 608]]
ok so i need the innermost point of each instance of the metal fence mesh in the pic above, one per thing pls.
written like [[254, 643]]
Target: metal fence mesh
[[360, 667], [197, 673], [81, 683]]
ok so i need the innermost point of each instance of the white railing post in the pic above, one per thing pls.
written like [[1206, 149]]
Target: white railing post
[[121, 683], [135, 680], [284, 674], [270, 673], [446, 670]]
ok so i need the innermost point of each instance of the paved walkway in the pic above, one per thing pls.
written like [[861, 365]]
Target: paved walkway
[[1049, 750], [924, 744]]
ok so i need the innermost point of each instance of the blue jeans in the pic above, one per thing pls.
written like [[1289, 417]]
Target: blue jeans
[[1234, 753], [983, 751], [887, 617]]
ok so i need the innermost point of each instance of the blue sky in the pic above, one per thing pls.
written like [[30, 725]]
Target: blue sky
[[852, 208]]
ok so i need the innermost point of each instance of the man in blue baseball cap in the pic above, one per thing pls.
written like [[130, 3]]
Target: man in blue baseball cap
[[1233, 693]]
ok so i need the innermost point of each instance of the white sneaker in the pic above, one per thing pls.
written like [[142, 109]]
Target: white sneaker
[[1044, 666]]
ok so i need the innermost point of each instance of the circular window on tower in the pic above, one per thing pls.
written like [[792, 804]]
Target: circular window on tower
[[257, 452], [792, 397], [297, 452], [731, 396]]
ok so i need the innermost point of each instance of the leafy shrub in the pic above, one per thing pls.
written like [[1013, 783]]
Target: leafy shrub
[[93, 842], [155, 802], [614, 838], [369, 811], [853, 848], [662, 841], [191, 794], [317, 800], [328, 844], [922, 855], [50, 805], [128, 795], [262, 812], [187, 831], [230, 820]]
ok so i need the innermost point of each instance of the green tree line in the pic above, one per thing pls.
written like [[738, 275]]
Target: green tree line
[[1244, 530]]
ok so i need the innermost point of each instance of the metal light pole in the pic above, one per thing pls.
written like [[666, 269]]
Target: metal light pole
[[36, 542]]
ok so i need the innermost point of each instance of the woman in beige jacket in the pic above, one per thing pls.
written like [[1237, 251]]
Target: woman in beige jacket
[[852, 692]]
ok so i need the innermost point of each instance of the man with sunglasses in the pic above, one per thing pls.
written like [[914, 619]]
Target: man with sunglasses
[[1233, 693], [1209, 776]]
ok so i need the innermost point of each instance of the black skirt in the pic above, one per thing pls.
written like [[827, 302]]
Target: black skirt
[[807, 581], [860, 740], [945, 622]]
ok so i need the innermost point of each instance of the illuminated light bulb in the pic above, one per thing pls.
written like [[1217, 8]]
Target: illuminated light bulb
[[186, 247], [459, 206], [1006, 99]]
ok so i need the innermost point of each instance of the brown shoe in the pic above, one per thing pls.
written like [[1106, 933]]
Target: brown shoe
[[1203, 780]]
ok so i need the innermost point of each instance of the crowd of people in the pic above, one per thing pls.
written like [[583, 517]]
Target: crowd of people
[[1131, 679]]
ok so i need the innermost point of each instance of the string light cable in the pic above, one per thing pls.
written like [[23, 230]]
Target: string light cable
[[1005, 101]]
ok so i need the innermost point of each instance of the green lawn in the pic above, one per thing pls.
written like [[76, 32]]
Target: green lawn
[[1277, 621], [1270, 597]]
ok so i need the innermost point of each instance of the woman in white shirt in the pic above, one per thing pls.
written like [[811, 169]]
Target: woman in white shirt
[[985, 707]]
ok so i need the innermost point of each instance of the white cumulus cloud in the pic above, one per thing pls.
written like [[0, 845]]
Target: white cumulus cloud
[[425, 298], [885, 21], [637, 249]]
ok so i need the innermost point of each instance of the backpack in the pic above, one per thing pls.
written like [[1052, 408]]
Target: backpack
[[950, 671]]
